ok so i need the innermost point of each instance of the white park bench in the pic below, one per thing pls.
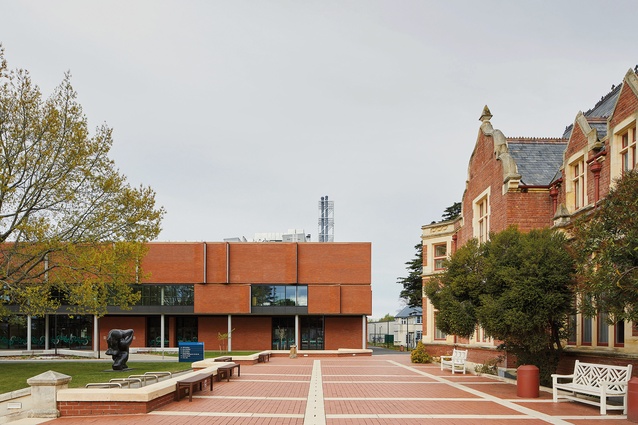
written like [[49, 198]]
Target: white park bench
[[456, 361], [597, 380]]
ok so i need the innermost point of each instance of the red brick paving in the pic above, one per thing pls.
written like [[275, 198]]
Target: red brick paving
[[378, 390]]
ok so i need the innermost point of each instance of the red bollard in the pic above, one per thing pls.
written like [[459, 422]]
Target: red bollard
[[632, 400], [527, 381]]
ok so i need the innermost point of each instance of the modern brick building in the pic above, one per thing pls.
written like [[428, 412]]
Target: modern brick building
[[263, 295], [535, 183]]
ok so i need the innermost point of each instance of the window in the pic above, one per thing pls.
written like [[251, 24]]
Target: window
[[155, 295], [619, 334], [603, 329], [628, 149], [578, 183], [440, 255], [587, 331], [438, 334], [571, 329], [279, 295], [483, 223]]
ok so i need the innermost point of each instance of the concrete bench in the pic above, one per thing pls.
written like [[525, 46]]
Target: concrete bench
[[191, 383], [456, 361], [226, 371], [597, 380]]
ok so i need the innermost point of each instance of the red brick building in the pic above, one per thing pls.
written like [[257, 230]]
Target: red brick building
[[264, 295], [535, 183]]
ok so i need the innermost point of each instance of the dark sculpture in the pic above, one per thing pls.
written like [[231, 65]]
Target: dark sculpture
[[118, 342]]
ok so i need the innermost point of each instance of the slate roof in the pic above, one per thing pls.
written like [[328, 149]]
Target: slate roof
[[602, 109], [537, 160], [406, 312]]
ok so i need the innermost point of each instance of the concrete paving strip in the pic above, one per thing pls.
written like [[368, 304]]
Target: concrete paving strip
[[315, 410]]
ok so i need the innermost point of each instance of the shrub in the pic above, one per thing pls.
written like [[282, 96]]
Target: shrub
[[419, 355]]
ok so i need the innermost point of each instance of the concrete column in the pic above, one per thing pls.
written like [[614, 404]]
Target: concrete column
[[47, 335], [96, 337], [44, 390], [29, 347], [162, 331], [230, 333], [297, 330], [364, 332]]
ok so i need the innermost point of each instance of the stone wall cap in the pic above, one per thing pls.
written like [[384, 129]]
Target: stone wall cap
[[49, 377]]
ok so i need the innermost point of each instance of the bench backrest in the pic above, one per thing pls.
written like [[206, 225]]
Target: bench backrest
[[592, 375], [459, 355]]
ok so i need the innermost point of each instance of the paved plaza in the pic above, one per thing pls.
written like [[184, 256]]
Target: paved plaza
[[376, 390]]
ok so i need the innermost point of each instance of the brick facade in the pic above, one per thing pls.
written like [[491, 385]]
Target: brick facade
[[500, 170]]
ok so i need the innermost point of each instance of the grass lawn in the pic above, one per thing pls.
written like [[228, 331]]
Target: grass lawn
[[16, 373]]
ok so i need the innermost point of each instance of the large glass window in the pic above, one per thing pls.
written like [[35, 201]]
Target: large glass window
[[155, 295], [279, 295], [587, 331], [483, 220]]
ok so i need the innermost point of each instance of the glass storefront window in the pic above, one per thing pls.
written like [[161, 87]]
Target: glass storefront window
[[279, 295]]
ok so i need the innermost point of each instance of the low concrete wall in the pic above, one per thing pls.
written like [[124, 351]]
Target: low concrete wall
[[15, 405], [111, 401]]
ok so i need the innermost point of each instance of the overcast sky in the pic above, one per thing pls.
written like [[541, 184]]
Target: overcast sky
[[242, 114]]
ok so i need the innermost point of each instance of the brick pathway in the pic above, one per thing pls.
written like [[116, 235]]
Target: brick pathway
[[377, 390]]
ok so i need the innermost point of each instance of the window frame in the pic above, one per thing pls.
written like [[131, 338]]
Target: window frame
[[439, 259]]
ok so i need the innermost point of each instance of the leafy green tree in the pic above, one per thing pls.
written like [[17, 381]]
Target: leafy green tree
[[412, 291], [517, 287], [605, 244], [452, 212], [387, 318], [71, 227]]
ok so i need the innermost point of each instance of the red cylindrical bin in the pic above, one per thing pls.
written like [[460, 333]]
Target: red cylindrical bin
[[527, 381], [632, 400]]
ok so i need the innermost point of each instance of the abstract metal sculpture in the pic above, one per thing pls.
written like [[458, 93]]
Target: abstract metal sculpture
[[119, 341]]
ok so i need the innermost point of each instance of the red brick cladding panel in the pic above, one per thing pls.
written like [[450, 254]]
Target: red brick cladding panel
[[342, 332], [324, 299], [137, 323], [252, 333], [347, 263], [174, 263], [356, 299], [208, 328], [263, 262], [218, 298]]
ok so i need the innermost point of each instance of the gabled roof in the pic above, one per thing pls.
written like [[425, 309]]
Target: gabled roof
[[603, 109], [537, 159], [409, 311]]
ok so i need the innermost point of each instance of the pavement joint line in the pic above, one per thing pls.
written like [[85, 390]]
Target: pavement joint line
[[228, 397], [424, 416], [315, 409], [506, 403], [227, 414], [402, 399]]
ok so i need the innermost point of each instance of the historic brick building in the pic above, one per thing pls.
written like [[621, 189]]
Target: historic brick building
[[535, 183], [263, 295]]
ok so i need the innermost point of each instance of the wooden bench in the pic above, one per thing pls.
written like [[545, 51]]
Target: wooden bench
[[191, 383], [224, 359], [596, 380], [226, 371], [456, 361], [263, 357]]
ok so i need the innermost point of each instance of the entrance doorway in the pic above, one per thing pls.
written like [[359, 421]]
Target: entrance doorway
[[312, 333], [283, 333]]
